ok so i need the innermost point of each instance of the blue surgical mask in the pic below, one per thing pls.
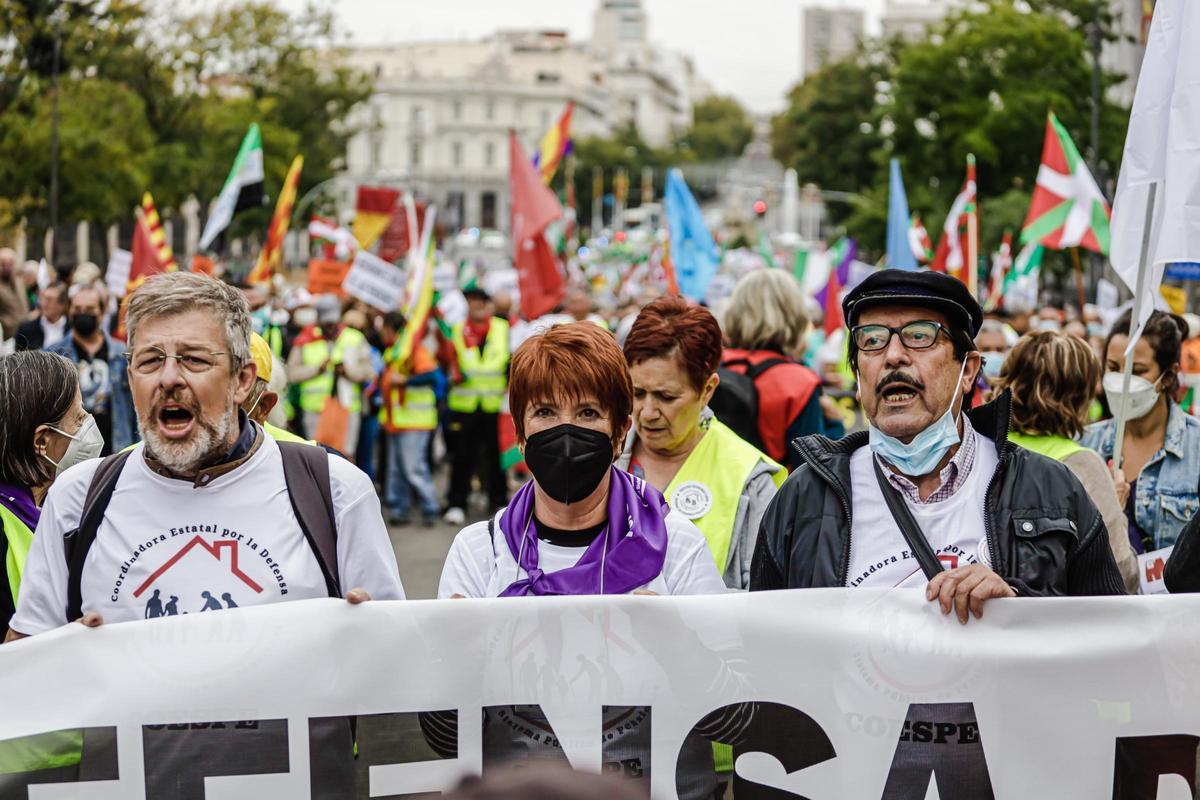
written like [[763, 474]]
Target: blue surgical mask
[[927, 448], [992, 363]]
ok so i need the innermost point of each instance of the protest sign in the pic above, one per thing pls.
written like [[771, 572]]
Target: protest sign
[[325, 276], [117, 275], [858, 693], [375, 282], [1150, 571]]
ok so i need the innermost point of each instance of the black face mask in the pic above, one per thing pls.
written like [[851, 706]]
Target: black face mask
[[568, 461], [84, 324]]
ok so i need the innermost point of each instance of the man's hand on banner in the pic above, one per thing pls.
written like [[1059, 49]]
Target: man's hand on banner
[[356, 596], [964, 589]]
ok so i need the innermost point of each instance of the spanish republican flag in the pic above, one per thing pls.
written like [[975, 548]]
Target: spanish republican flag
[[555, 146], [270, 258]]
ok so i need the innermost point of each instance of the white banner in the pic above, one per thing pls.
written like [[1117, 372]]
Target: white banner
[[861, 694], [375, 282]]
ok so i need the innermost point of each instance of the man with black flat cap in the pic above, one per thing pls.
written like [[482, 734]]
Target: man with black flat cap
[[932, 494]]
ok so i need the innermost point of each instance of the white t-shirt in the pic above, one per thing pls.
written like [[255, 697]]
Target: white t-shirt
[[474, 569], [879, 554], [166, 547]]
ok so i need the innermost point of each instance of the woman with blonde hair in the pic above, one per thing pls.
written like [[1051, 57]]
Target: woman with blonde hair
[[1052, 377], [765, 327]]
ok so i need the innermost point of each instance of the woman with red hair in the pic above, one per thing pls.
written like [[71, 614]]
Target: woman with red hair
[[579, 527], [705, 470]]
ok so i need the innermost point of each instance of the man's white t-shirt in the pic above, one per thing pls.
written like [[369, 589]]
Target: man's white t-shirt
[[474, 568], [166, 547], [880, 555]]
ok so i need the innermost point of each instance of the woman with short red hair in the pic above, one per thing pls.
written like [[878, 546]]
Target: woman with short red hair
[[579, 527], [705, 470]]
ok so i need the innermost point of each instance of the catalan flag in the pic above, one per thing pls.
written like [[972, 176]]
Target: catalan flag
[[270, 258], [158, 237], [555, 146]]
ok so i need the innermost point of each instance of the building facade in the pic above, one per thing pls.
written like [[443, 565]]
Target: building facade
[[830, 34], [911, 19], [439, 118]]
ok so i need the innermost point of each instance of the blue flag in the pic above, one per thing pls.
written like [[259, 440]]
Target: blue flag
[[693, 250], [899, 251]]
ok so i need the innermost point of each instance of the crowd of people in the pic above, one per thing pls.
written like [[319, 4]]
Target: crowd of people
[[691, 452]]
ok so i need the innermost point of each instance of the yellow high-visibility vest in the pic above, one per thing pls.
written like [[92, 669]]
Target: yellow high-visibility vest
[[485, 373]]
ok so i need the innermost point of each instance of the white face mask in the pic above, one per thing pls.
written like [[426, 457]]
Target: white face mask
[[86, 443], [305, 317], [1141, 398]]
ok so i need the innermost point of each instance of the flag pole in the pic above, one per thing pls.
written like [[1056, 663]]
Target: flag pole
[[973, 236], [1134, 332]]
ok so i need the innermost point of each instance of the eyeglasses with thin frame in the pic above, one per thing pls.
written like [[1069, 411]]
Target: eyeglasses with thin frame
[[918, 335], [151, 360]]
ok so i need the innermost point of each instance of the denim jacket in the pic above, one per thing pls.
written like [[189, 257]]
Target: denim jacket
[[124, 417], [1167, 488]]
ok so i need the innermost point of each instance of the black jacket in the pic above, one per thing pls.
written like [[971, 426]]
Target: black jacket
[[1045, 535], [1182, 574]]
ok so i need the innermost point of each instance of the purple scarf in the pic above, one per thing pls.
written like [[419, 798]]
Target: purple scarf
[[19, 500], [635, 538]]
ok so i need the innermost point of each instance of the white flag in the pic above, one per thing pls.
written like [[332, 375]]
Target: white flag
[[1144, 162], [1179, 239]]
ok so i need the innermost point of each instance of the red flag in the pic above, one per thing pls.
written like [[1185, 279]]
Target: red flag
[[534, 207], [147, 258], [834, 319], [146, 261]]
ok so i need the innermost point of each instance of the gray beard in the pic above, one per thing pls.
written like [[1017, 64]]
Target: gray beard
[[206, 444]]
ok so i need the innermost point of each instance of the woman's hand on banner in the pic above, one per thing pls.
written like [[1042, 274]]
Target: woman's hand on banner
[[356, 596], [964, 589]]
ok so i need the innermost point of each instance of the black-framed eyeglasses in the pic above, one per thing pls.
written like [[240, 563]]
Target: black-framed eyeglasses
[[918, 335], [151, 360]]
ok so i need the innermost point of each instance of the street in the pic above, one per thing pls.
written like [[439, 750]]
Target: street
[[420, 552]]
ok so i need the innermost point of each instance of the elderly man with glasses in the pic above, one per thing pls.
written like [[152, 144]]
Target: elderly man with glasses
[[933, 495], [207, 506]]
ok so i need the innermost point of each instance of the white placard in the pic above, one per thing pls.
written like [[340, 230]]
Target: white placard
[[1150, 571], [375, 282], [117, 275]]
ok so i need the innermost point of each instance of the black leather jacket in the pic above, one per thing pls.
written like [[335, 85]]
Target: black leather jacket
[[1044, 534]]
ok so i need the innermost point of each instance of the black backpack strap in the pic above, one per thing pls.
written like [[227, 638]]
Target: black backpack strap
[[306, 471], [908, 526], [758, 369], [78, 542], [736, 362]]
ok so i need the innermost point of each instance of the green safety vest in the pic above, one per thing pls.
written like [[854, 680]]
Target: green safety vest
[[485, 373], [418, 412], [19, 539], [348, 339], [1056, 447], [44, 750], [314, 390], [273, 336], [281, 435], [707, 487]]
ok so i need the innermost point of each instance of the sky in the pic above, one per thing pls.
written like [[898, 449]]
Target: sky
[[752, 53]]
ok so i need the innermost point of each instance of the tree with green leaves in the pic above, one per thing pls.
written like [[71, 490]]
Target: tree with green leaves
[[721, 128], [981, 83], [160, 102]]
